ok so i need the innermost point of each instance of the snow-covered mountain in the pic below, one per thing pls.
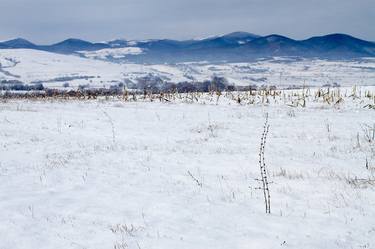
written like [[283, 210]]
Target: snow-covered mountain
[[233, 47]]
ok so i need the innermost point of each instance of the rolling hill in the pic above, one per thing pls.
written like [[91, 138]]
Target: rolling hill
[[233, 47]]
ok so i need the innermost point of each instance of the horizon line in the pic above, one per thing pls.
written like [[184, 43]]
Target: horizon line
[[191, 39]]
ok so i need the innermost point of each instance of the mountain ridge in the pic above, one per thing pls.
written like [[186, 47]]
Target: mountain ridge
[[233, 47]]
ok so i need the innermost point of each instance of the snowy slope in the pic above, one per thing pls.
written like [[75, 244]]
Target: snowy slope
[[112, 53], [33, 66], [53, 70]]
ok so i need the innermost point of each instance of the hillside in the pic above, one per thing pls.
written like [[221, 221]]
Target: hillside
[[31, 66]]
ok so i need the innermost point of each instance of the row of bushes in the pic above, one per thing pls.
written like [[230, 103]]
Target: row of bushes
[[155, 85], [21, 87], [152, 84]]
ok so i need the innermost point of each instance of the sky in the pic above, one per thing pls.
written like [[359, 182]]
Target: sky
[[49, 21]]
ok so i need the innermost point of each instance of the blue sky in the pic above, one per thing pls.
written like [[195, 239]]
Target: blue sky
[[48, 21]]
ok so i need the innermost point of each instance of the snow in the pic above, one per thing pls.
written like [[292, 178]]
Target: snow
[[202, 38], [116, 53], [114, 174], [33, 66], [98, 71], [132, 43], [43, 66]]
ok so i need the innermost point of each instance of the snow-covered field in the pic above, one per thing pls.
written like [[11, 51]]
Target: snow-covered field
[[116, 53], [114, 174], [54, 70]]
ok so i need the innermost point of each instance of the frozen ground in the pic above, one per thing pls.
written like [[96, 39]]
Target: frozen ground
[[53, 70], [113, 174]]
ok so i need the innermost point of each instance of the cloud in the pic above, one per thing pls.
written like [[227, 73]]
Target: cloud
[[46, 21]]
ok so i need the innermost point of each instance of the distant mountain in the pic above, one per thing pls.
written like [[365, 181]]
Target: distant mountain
[[233, 47], [118, 43], [340, 45], [66, 47], [241, 46], [18, 43], [241, 36], [3, 46], [231, 40], [274, 45], [74, 45]]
